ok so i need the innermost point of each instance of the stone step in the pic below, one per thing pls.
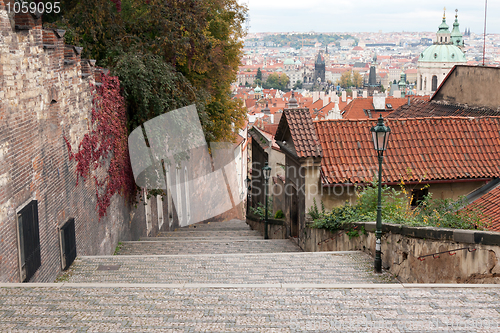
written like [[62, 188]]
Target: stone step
[[215, 246], [197, 238], [263, 268], [229, 225], [210, 233], [157, 309]]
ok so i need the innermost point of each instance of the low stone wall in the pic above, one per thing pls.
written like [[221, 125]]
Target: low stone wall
[[407, 252], [277, 228]]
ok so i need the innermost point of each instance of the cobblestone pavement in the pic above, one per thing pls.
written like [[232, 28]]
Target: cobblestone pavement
[[210, 233], [280, 290], [324, 267], [208, 246], [125, 309]]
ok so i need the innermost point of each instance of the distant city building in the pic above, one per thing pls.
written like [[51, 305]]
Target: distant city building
[[438, 59], [319, 69]]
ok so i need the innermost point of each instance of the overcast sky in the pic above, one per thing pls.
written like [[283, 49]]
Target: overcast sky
[[369, 15]]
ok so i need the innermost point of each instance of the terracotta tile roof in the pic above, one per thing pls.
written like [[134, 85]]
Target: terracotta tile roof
[[302, 131], [356, 109], [426, 108], [489, 207], [432, 148], [271, 128], [238, 139]]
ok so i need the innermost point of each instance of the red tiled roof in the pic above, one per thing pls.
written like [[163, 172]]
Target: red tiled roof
[[355, 109], [489, 206], [302, 131], [271, 128], [424, 108], [432, 148]]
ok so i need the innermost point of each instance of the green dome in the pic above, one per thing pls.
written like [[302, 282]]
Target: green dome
[[257, 90], [442, 53], [443, 27], [289, 62], [298, 62]]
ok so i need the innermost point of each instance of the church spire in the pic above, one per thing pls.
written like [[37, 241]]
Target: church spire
[[456, 35], [443, 33]]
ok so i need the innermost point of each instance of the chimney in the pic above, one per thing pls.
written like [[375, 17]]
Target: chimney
[[322, 95], [354, 94], [344, 96], [315, 96], [396, 94], [365, 94], [326, 101], [379, 101]]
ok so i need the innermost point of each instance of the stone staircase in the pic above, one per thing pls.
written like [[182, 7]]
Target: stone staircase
[[222, 253], [224, 277]]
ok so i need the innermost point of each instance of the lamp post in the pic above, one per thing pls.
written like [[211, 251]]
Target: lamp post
[[267, 172], [249, 189], [380, 134]]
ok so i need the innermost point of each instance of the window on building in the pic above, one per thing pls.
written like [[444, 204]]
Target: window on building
[[67, 243], [28, 240], [417, 196], [434, 82]]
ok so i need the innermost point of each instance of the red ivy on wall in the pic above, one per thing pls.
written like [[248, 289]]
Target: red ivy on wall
[[106, 141], [118, 5]]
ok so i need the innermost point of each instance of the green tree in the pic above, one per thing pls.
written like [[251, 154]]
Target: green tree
[[357, 80], [277, 81], [297, 85], [258, 76], [345, 80], [199, 40]]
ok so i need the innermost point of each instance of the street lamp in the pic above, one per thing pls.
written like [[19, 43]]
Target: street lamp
[[380, 138], [267, 173], [249, 189]]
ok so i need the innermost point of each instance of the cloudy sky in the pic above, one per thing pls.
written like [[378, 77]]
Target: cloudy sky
[[369, 15]]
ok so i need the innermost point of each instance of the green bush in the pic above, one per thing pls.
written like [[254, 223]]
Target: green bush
[[279, 214], [260, 211], [396, 208]]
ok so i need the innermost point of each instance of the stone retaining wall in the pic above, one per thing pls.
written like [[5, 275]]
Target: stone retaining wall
[[407, 252], [402, 247], [276, 228]]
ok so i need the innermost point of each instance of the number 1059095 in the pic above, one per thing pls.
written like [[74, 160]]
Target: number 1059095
[[33, 7]]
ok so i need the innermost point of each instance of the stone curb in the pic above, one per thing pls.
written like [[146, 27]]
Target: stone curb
[[252, 286], [187, 240], [217, 254], [456, 235]]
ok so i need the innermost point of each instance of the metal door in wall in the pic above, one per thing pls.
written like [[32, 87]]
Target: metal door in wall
[[67, 243], [29, 241]]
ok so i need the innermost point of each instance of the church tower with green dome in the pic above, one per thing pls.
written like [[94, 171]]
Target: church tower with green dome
[[436, 61], [456, 35]]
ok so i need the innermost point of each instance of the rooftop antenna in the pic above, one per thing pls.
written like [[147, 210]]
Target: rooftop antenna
[[484, 42]]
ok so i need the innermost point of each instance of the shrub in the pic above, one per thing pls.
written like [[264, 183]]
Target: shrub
[[260, 211], [279, 214], [396, 208]]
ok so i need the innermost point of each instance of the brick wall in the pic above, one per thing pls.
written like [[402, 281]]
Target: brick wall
[[45, 96]]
